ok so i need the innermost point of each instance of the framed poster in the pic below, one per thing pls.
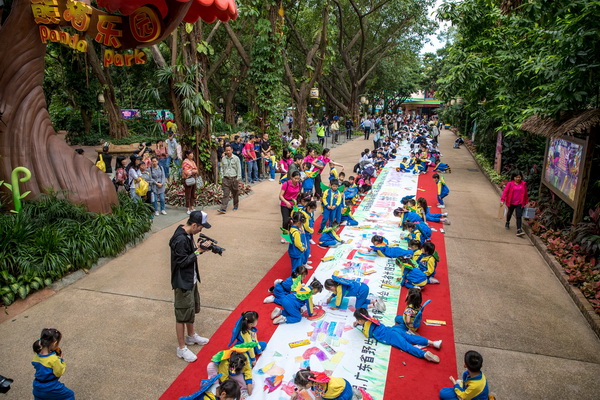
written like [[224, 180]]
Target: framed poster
[[565, 157]]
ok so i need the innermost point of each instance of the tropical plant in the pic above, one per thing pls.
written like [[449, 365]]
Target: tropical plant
[[587, 234], [52, 236]]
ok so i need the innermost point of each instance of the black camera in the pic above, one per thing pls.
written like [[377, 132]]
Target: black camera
[[212, 246], [5, 384]]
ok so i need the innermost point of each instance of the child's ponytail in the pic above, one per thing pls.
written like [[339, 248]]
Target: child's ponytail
[[248, 317], [304, 377], [315, 284], [300, 270], [47, 337]]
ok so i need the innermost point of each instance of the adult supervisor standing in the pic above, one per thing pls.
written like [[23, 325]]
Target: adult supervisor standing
[[184, 280], [231, 173]]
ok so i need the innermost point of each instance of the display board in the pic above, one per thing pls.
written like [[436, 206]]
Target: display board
[[563, 163]]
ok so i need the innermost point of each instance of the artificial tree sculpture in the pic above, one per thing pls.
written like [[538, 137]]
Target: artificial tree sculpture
[[27, 137]]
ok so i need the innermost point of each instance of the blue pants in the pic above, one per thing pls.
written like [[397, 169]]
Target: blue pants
[[328, 243], [242, 166], [306, 253], [440, 198], [252, 171], [346, 393], [398, 338], [361, 292], [399, 320], [297, 261], [448, 393], [328, 217], [338, 214], [271, 170], [290, 303], [433, 217], [54, 390], [165, 163], [159, 197]]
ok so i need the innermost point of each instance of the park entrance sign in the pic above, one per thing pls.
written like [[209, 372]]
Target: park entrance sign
[[27, 137]]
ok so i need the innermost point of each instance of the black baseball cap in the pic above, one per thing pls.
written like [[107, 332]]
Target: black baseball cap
[[200, 218]]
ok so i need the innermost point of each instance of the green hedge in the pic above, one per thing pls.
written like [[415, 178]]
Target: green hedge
[[51, 237]]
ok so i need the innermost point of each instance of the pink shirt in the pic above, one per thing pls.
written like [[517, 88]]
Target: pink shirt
[[290, 192], [517, 193], [309, 159], [284, 164]]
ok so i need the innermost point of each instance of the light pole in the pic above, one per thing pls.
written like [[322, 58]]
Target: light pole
[[101, 101]]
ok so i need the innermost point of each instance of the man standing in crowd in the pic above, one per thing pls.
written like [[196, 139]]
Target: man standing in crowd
[[237, 145], [250, 157], [230, 176], [265, 149], [184, 280]]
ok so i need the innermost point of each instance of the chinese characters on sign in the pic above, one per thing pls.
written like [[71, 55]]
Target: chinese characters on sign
[[144, 25]]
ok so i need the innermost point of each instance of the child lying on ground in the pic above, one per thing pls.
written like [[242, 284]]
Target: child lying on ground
[[382, 248], [395, 336]]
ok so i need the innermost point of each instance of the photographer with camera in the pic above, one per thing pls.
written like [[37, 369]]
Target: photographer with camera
[[185, 278]]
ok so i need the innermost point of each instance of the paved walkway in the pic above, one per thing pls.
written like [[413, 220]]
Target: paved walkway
[[119, 338]]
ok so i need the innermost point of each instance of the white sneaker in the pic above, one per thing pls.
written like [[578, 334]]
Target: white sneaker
[[271, 180], [156, 213], [189, 212], [283, 241], [186, 354], [312, 241], [308, 266], [309, 262], [196, 339], [441, 206], [433, 281], [444, 214], [277, 281], [380, 304], [429, 356], [269, 299], [446, 221], [276, 312], [437, 344], [163, 212], [280, 320]]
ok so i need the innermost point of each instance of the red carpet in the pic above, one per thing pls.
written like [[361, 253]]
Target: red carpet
[[417, 379], [420, 379]]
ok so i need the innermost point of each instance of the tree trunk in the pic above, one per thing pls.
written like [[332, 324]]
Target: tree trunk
[[27, 137], [116, 125], [87, 120]]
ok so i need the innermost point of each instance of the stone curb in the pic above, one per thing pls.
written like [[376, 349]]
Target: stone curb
[[580, 300]]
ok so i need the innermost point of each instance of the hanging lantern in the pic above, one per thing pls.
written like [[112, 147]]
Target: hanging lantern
[[363, 99], [452, 102], [314, 93], [459, 100]]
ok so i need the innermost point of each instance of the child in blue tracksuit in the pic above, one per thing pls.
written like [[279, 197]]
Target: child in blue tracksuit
[[443, 190], [412, 276], [341, 287], [308, 208], [382, 248], [308, 184], [441, 167], [287, 283], [404, 165], [473, 385], [348, 218], [329, 238], [350, 193], [292, 302], [245, 332], [426, 211], [418, 231], [228, 389], [49, 367], [331, 200], [427, 262], [407, 215], [395, 336], [298, 243]]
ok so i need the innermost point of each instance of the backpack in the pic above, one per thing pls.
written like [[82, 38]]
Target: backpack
[[101, 164]]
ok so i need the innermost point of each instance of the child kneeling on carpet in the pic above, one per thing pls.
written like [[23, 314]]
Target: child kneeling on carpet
[[419, 231], [233, 364], [473, 384], [292, 303], [245, 332], [425, 212], [428, 262], [325, 387], [412, 276], [329, 238], [395, 336], [342, 287], [286, 284]]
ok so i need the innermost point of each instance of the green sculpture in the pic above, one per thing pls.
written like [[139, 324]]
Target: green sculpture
[[14, 187]]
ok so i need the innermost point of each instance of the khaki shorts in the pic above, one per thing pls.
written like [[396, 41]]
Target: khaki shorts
[[187, 305]]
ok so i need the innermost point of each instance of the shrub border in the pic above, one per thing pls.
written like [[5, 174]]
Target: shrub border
[[578, 298]]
